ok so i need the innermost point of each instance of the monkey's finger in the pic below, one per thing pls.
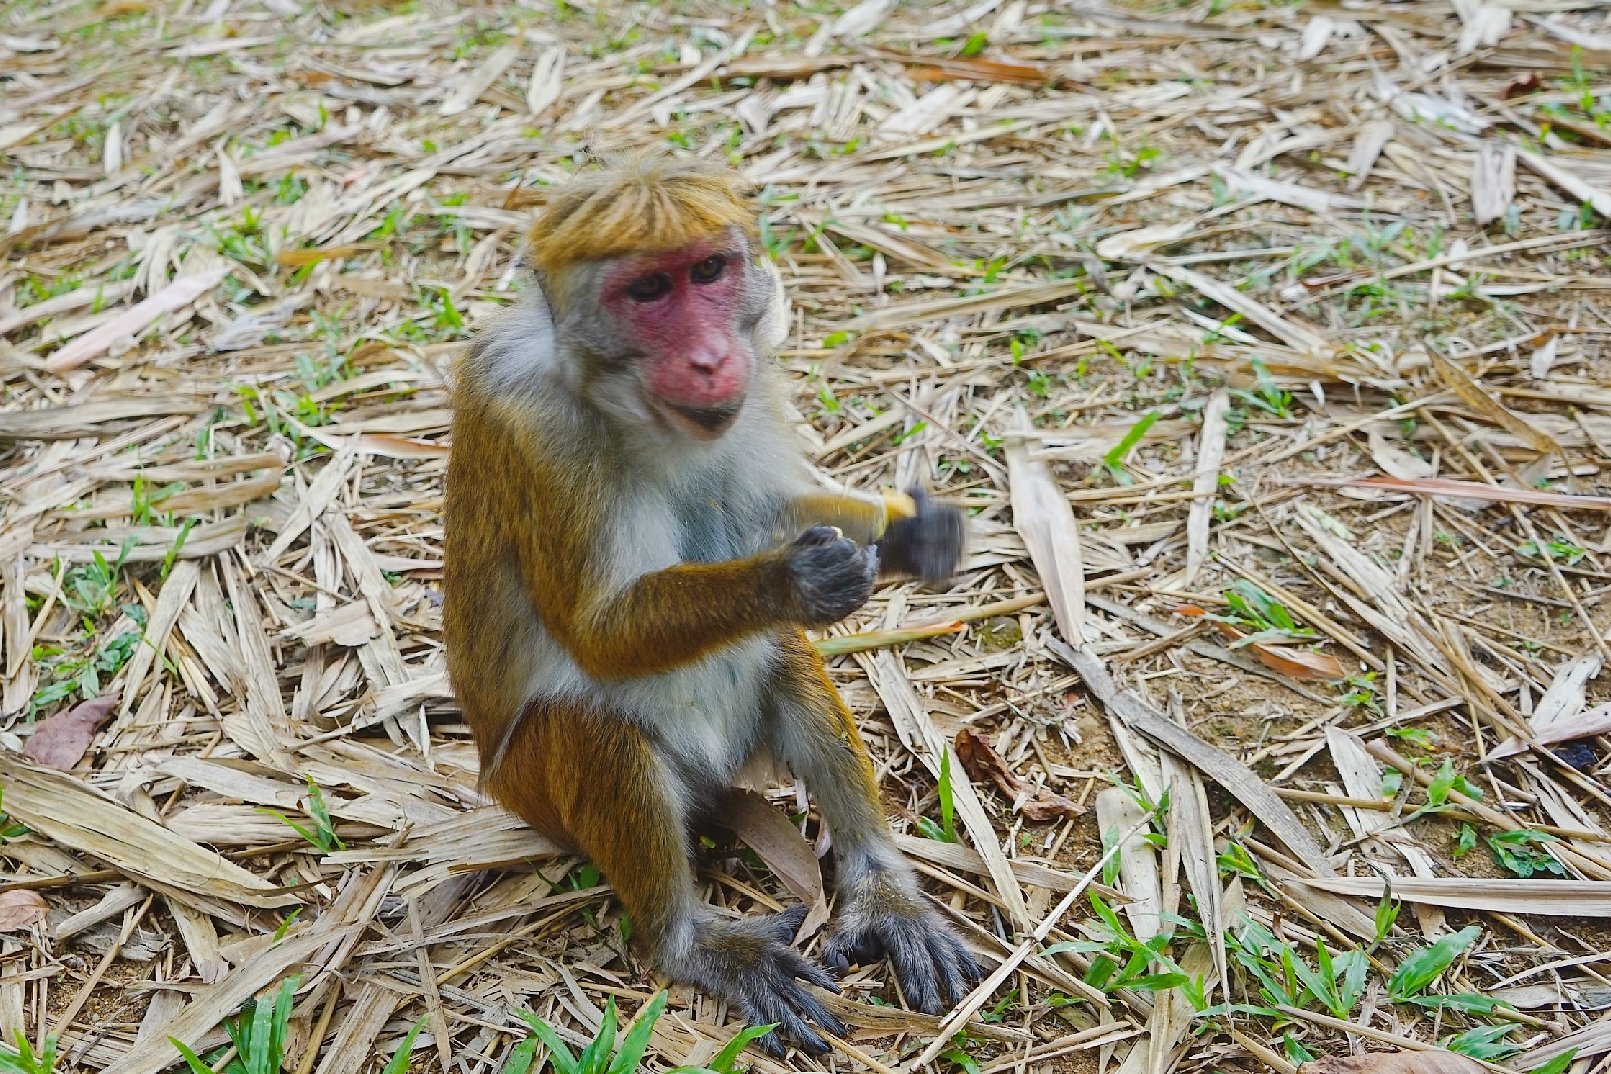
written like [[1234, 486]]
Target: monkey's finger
[[955, 968], [818, 535], [772, 1005], [806, 1005], [771, 1043], [785, 923], [797, 965], [914, 966], [844, 948]]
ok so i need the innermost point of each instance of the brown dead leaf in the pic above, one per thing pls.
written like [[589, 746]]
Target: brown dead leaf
[[1428, 1062], [19, 909], [1531, 82], [300, 258], [1472, 394], [61, 740], [1452, 489], [1596, 721], [779, 843], [985, 765], [1298, 663], [1395, 461], [1293, 663], [980, 71]]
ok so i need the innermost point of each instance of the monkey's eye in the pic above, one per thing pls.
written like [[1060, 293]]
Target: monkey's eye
[[708, 270], [650, 287]]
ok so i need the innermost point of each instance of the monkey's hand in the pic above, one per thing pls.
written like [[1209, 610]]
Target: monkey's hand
[[750, 963], [884, 914], [830, 576], [927, 543]]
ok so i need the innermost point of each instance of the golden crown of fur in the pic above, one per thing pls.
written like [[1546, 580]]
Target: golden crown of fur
[[637, 205]]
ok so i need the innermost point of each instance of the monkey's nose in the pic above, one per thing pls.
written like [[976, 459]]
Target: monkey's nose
[[707, 360]]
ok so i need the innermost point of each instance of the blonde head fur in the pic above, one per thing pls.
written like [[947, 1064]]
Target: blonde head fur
[[644, 204]]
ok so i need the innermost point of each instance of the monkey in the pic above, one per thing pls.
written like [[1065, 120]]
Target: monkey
[[634, 547]]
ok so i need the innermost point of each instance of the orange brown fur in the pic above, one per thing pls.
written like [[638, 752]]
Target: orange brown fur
[[566, 760], [643, 205]]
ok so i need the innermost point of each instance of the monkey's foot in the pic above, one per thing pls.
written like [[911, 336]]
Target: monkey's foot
[[750, 963], [885, 914]]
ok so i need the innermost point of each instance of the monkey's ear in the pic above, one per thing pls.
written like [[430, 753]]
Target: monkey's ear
[[774, 326]]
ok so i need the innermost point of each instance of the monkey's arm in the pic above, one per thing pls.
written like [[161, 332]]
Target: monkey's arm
[[670, 617]]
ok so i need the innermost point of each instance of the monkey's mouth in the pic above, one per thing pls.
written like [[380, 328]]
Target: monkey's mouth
[[713, 420]]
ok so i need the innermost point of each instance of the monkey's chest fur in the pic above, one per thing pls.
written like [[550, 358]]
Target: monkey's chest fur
[[705, 718]]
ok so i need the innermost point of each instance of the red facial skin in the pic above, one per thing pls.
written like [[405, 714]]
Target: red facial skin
[[683, 308]]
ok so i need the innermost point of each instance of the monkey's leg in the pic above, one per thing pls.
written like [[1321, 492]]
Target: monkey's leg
[[595, 780], [880, 907]]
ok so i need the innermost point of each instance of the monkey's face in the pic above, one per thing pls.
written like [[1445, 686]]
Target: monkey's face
[[689, 315]]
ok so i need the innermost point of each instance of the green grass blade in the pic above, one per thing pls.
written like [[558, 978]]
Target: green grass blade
[[280, 1019], [563, 1059], [191, 1058], [399, 1060], [595, 1058], [729, 1054], [521, 1056], [636, 1041], [1114, 459], [257, 1057]]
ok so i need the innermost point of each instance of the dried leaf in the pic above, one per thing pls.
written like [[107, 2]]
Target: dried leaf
[[1116, 814], [474, 83], [1568, 181], [1447, 487], [61, 740], [19, 909], [1493, 182], [1395, 461], [862, 18], [1297, 663], [1315, 36], [1044, 518], [1554, 898], [1471, 392], [1433, 1061], [768, 832], [1368, 145], [180, 292], [978, 71], [985, 765], [1210, 455], [74, 815], [1595, 721], [1530, 82], [547, 79]]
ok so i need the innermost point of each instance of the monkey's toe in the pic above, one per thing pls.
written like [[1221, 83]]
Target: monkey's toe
[[785, 923], [772, 993], [751, 963], [934, 970]]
